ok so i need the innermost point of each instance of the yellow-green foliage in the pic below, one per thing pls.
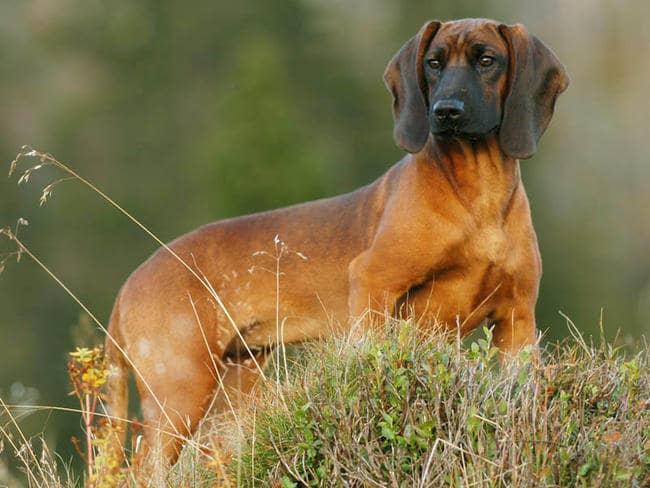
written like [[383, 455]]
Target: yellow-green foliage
[[88, 371]]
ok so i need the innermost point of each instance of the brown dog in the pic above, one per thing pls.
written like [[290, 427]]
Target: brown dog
[[446, 230]]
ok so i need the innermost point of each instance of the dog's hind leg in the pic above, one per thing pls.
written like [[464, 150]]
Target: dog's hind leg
[[172, 406], [235, 393]]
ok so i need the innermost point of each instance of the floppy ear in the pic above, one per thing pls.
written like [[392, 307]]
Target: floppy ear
[[403, 77], [535, 79]]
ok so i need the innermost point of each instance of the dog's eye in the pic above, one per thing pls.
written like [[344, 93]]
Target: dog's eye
[[486, 61], [434, 63]]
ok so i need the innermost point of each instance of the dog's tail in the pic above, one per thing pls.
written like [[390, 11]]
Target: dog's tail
[[118, 379]]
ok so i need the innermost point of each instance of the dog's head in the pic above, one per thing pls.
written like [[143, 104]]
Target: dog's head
[[471, 78]]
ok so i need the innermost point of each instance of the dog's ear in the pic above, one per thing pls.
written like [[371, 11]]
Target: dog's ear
[[535, 79], [404, 79]]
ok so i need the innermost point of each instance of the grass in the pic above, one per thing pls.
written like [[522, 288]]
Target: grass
[[407, 411], [400, 410], [404, 410]]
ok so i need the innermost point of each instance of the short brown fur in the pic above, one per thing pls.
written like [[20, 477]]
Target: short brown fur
[[446, 232]]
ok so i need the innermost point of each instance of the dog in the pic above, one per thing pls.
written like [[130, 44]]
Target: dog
[[446, 231]]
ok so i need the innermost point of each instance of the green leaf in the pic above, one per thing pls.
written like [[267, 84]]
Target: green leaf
[[387, 433], [287, 483], [503, 407]]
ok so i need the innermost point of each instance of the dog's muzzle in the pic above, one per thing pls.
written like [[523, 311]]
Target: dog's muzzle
[[448, 115]]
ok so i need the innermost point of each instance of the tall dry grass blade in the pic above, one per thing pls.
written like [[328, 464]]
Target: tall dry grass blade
[[26, 443], [48, 159], [577, 335]]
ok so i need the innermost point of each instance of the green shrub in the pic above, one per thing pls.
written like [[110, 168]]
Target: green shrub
[[404, 411]]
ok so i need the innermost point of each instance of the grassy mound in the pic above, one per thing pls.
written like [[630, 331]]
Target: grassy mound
[[404, 411], [401, 410]]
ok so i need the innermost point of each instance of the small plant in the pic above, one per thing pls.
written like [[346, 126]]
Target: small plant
[[107, 469], [88, 373]]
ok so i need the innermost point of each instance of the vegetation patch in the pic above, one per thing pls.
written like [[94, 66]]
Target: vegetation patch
[[402, 410]]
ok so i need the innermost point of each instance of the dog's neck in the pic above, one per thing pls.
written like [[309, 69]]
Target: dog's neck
[[480, 174]]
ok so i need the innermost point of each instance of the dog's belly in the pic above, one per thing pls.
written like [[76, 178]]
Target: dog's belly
[[304, 301]]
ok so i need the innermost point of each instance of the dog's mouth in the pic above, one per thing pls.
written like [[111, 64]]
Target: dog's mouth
[[459, 132], [449, 132]]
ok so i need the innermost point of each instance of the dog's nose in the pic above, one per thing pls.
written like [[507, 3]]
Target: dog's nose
[[449, 109]]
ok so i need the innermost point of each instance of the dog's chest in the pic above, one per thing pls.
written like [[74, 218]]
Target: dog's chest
[[487, 257], [489, 245]]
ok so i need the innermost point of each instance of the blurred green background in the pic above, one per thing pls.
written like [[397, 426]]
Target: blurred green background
[[187, 112]]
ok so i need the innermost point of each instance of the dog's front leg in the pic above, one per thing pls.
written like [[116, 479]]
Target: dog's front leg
[[377, 281], [514, 309], [368, 297], [514, 329], [514, 313]]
